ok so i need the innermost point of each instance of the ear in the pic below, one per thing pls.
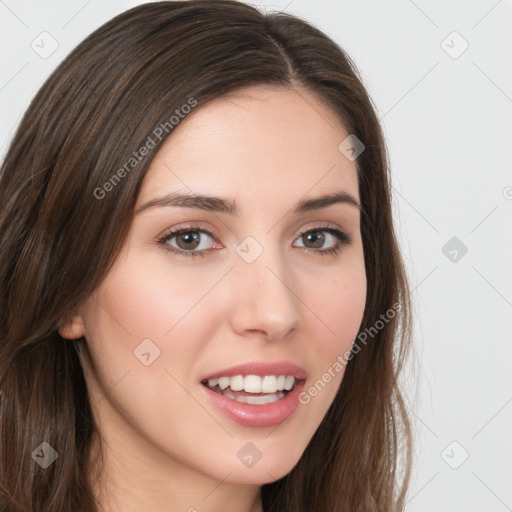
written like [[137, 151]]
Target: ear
[[73, 328]]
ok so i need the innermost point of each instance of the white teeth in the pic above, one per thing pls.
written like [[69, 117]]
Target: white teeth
[[267, 384], [237, 383], [254, 400], [223, 382], [290, 381], [252, 384], [260, 400]]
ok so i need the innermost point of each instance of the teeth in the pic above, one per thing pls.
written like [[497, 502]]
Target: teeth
[[289, 382], [260, 400], [223, 382], [237, 383], [252, 384], [269, 384], [254, 400]]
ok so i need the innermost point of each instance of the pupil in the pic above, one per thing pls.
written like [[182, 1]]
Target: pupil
[[319, 238], [188, 237]]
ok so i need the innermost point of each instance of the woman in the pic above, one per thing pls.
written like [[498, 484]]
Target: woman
[[203, 305]]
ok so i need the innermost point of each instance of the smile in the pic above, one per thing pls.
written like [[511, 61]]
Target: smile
[[252, 389], [255, 394]]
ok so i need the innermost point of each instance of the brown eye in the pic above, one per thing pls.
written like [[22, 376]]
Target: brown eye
[[314, 239], [189, 242]]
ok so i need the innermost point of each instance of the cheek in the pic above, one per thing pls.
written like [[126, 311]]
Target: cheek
[[338, 306], [342, 305], [149, 297], [135, 313], [155, 309], [339, 303]]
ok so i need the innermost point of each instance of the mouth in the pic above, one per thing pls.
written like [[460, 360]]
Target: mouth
[[256, 394], [252, 389]]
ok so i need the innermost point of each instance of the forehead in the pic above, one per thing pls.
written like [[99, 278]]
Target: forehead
[[257, 142]]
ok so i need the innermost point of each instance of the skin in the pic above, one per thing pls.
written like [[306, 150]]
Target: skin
[[166, 447]]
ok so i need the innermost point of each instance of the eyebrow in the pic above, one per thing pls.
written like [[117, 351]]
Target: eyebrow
[[220, 205]]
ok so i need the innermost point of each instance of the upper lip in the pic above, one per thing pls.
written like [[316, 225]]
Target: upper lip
[[260, 368]]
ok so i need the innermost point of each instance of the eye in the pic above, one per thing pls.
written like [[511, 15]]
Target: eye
[[189, 241], [317, 238]]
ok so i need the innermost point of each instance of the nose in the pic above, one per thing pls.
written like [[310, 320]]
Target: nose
[[264, 298]]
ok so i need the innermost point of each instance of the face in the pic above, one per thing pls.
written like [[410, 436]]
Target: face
[[214, 309]]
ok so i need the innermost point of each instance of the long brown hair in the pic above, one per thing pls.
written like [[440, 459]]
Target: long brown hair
[[60, 236]]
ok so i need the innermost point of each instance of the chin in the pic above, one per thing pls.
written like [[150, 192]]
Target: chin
[[272, 465]]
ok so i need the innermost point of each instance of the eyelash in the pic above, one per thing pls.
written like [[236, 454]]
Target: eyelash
[[342, 237]]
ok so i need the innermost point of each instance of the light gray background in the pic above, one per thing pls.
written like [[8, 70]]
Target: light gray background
[[447, 119]]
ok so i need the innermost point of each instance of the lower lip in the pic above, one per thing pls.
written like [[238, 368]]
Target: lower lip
[[267, 415]]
